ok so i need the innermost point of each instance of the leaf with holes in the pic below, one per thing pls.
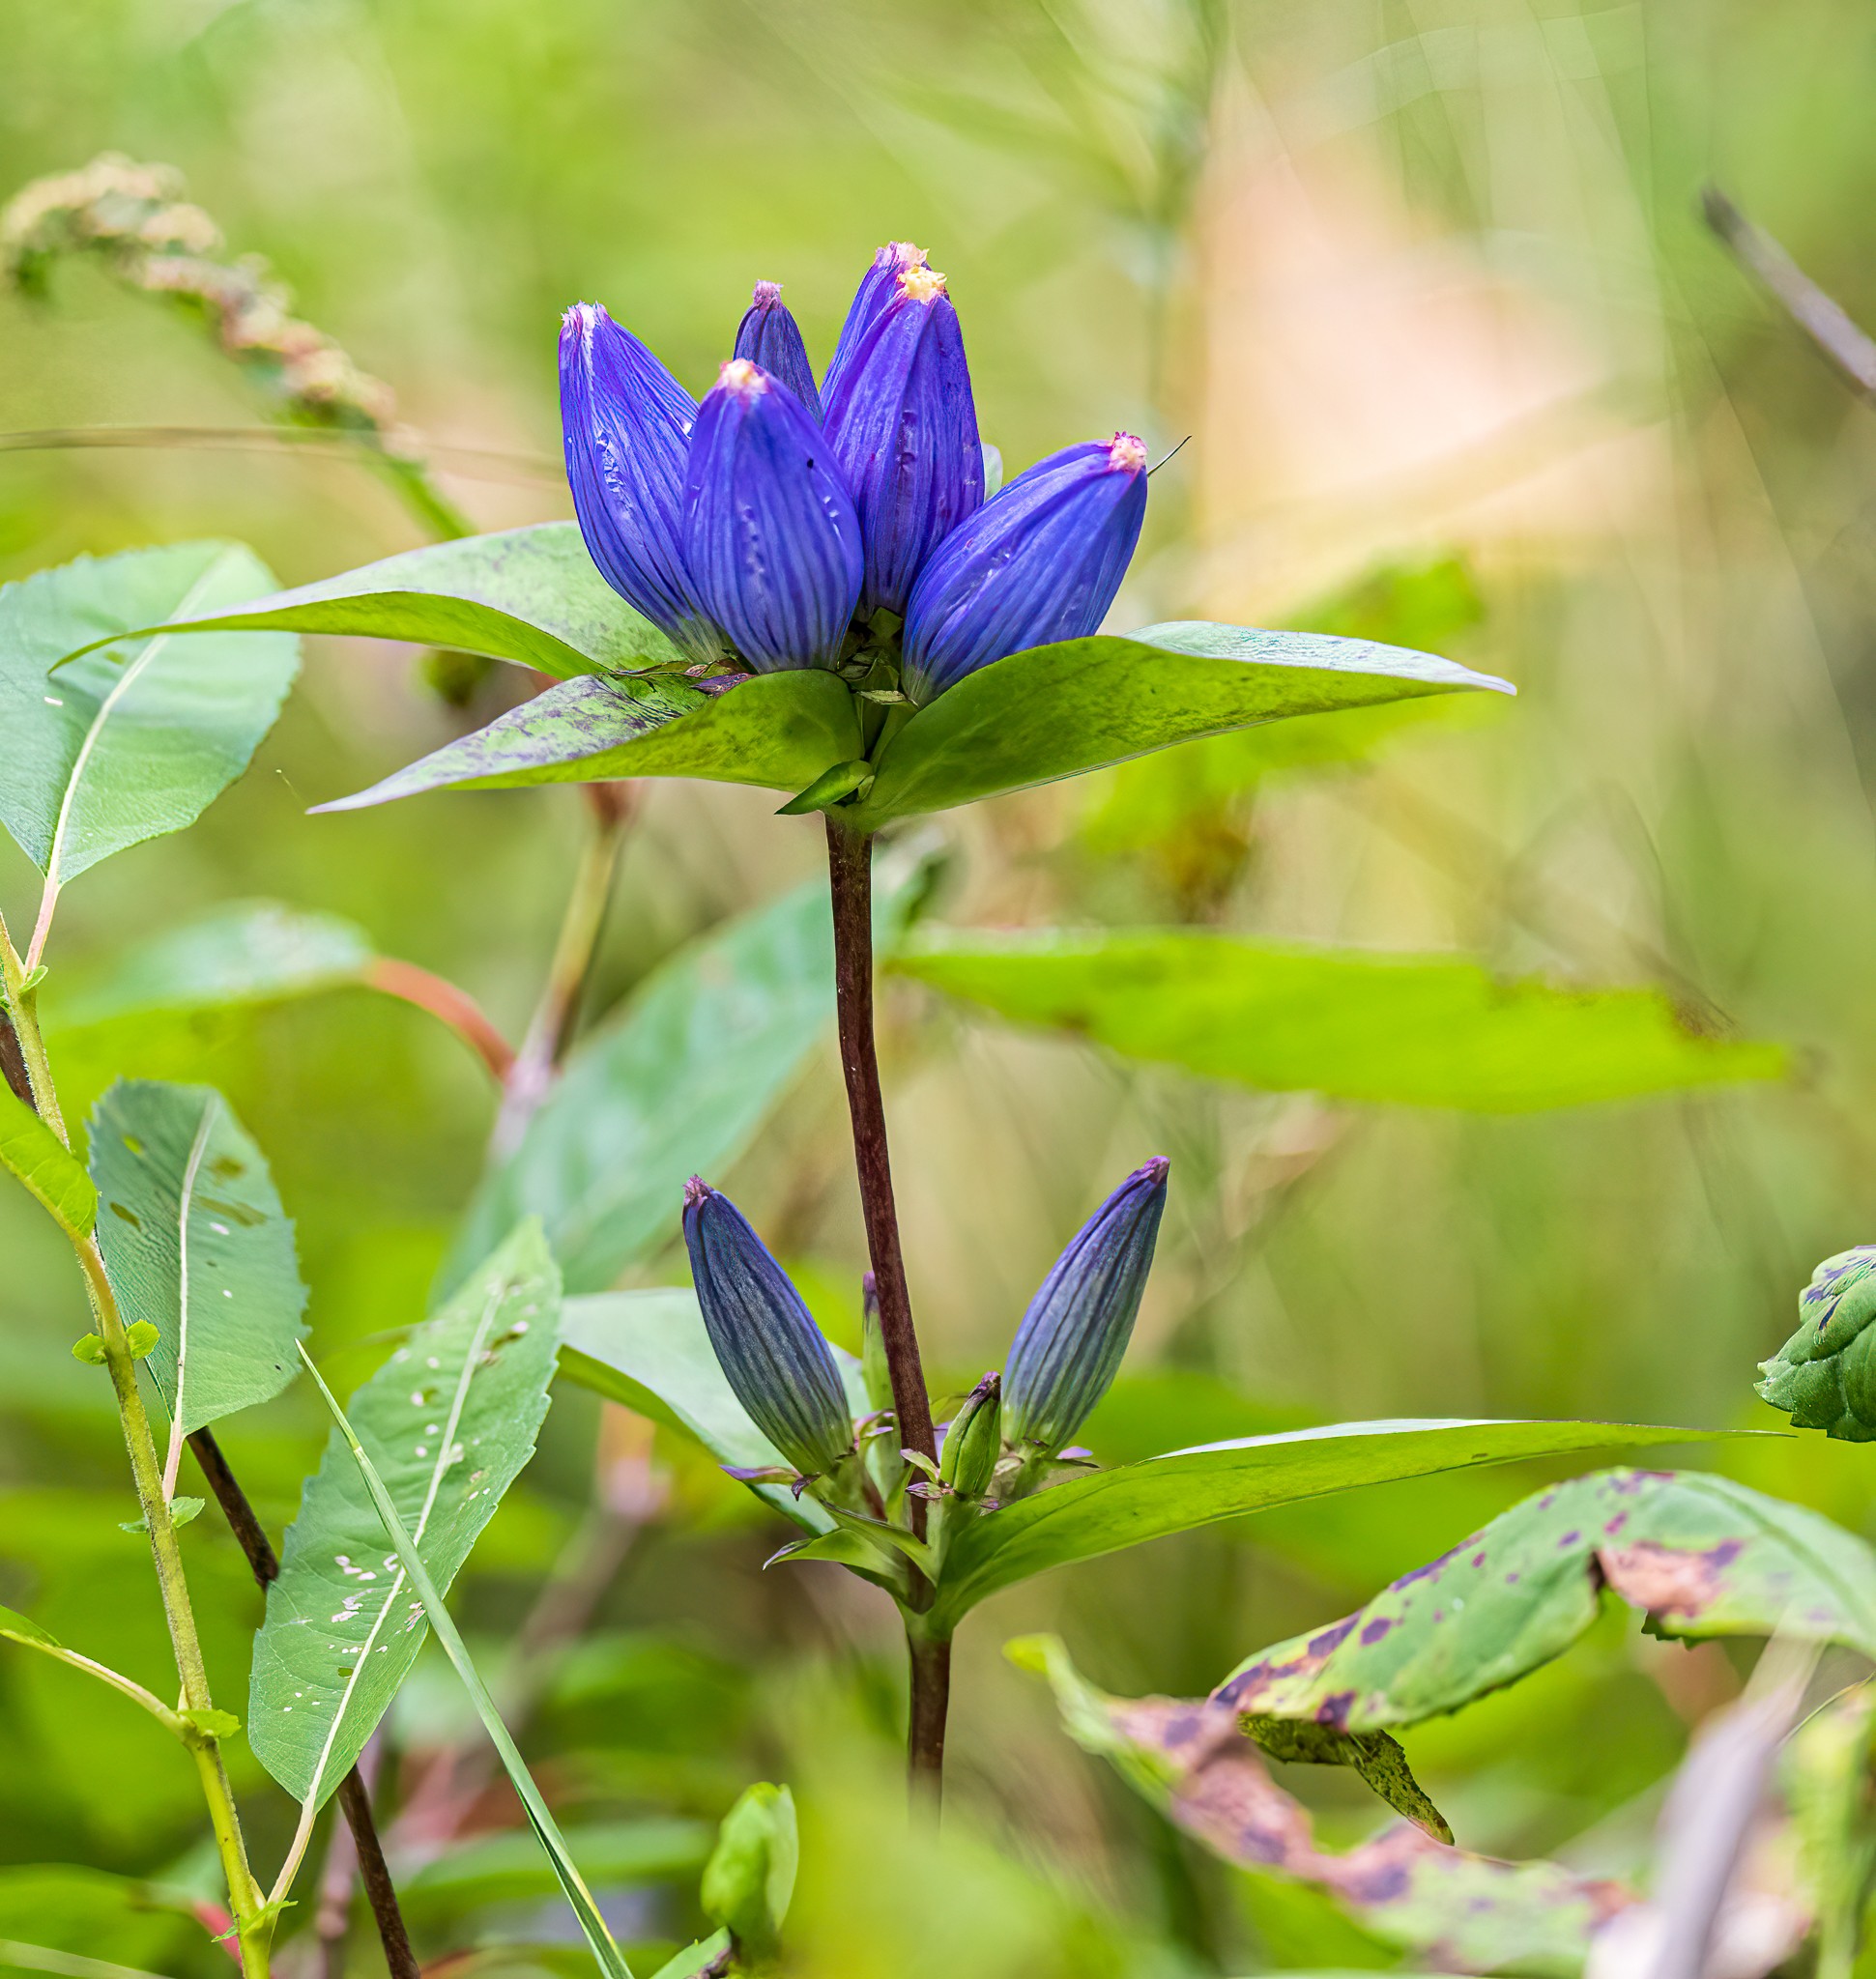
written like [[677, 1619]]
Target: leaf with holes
[[1415, 1030], [195, 1242], [448, 1422], [50, 1171], [1700, 1555], [140, 735], [1465, 1912]]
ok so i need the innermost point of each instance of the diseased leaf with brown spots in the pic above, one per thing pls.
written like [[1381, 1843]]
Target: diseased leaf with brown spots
[[1448, 1909], [1701, 1556]]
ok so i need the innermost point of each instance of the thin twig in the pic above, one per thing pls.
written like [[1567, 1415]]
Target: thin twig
[[353, 1799], [445, 1001], [1823, 320], [550, 1031]]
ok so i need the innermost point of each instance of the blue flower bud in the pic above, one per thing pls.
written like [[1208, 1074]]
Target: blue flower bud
[[626, 425], [1040, 563], [770, 1349], [771, 535], [878, 285], [904, 427], [1077, 1327], [770, 336]]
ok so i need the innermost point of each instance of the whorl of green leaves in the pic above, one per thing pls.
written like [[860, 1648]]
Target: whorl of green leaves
[[1823, 1377]]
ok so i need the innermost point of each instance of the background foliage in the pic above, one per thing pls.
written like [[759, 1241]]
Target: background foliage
[[1424, 284]]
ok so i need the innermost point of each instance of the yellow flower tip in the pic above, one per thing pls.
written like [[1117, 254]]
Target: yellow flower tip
[[921, 284], [742, 379], [1127, 454]]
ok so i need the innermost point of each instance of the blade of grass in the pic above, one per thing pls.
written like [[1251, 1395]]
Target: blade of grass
[[611, 1960]]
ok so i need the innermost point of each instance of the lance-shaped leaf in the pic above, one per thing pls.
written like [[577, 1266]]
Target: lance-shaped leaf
[[1421, 1030], [1109, 1510], [413, 1566], [530, 595], [139, 736], [674, 1084], [1058, 710], [778, 730], [1700, 1554], [195, 1242], [650, 1350], [1465, 1912], [449, 1422], [48, 1168], [248, 952]]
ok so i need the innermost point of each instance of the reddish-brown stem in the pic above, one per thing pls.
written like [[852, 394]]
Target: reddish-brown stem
[[442, 998], [850, 878], [353, 1799]]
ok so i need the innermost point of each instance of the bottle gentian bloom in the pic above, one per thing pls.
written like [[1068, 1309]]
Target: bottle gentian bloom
[[771, 1351], [1069, 1346], [770, 336], [770, 536], [749, 536], [1042, 562], [902, 425], [627, 425]]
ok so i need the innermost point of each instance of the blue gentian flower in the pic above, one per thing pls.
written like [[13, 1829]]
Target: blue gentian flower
[[771, 1353], [901, 424], [770, 336], [627, 425], [1042, 562], [753, 538], [771, 535], [1068, 1348]]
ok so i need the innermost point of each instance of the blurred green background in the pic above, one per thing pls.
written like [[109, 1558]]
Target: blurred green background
[[1421, 282]]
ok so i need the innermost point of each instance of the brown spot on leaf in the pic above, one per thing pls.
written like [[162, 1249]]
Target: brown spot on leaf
[[1667, 1580]]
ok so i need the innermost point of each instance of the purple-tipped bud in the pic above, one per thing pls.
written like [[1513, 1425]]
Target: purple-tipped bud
[[770, 336], [770, 1349], [904, 427], [771, 535], [626, 425], [1069, 1345], [973, 1440], [1040, 563], [878, 287], [875, 1369]]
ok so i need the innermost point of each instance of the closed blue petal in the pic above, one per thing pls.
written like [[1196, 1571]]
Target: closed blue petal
[[902, 425], [771, 1353], [626, 425], [770, 536], [1070, 1344], [1042, 562], [770, 336], [878, 285]]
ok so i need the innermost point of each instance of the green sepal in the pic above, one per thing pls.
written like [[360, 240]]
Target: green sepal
[[211, 1724], [830, 788], [89, 1349], [141, 1336]]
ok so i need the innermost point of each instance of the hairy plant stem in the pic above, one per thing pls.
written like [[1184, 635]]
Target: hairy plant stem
[[849, 881], [253, 1928], [354, 1793], [550, 1030]]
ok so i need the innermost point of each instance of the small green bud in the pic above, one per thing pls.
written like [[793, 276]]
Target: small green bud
[[89, 1349], [1823, 1377], [142, 1336], [974, 1441], [750, 1876], [211, 1724]]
